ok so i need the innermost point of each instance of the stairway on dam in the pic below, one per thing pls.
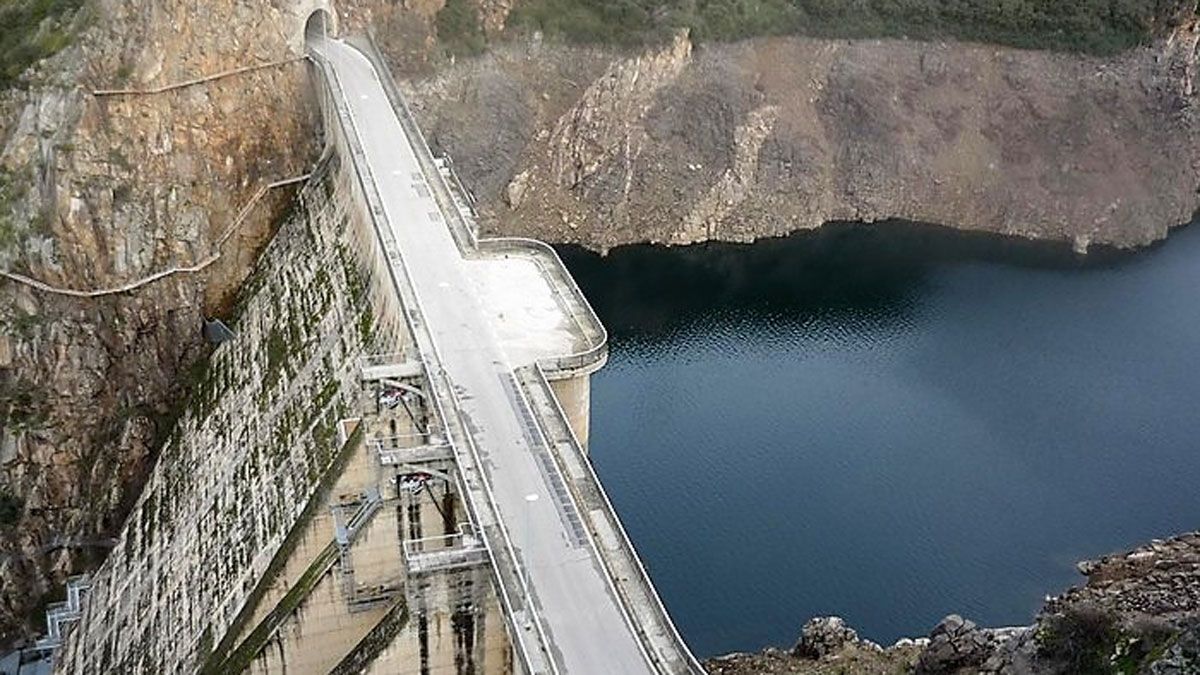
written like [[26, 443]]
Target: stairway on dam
[[328, 501]]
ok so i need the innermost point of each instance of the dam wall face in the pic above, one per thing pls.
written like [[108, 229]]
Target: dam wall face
[[259, 433]]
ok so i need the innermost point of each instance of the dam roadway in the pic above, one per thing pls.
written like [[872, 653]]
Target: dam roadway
[[586, 628]]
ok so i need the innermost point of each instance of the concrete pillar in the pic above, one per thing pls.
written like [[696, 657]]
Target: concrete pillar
[[575, 396]]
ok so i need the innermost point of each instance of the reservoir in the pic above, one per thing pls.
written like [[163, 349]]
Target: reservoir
[[890, 423]]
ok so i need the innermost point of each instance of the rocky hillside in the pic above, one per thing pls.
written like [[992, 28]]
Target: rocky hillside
[[99, 191], [683, 143], [1139, 612]]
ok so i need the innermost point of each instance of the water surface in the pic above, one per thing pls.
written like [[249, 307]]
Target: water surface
[[890, 423]]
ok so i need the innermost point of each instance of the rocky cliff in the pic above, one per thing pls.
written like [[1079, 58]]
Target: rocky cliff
[[99, 191], [685, 143]]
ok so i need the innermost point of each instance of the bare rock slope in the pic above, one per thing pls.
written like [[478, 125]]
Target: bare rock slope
[[681, 144]]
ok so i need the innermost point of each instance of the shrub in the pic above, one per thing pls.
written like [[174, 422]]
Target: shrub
[[1093, 26], [1082, 639], [1089, 639], [10, 508], [459, 29], [31, 30]]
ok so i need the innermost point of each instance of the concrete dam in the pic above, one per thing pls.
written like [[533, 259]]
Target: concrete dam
[[385, 470]]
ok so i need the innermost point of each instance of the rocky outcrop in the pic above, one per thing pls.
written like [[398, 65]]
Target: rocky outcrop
[[955, 643], [607, 123], [1137, 613], [823, 636], [1159, 579], [761, 138]]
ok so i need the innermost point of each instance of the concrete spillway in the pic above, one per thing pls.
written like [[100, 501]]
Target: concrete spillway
[[350, 488]]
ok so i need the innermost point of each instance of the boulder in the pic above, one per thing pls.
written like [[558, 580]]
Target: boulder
[[953, 644], [822, 636]]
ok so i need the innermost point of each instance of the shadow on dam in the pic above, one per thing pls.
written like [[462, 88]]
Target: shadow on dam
[[890, 423]]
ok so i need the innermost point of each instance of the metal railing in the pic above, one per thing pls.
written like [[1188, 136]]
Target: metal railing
[[394, 456], [60, 615], [390, 359], [461, 549], [464, 538]]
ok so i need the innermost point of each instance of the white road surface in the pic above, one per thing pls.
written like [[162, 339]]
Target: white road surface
[[587, 630]]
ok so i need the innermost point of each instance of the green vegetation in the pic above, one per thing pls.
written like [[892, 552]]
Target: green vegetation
[[1090, 639], [239, 660], [31, 30], [216, 661], [13, 188], [23, 324], [22, 405], [10, 508], [375, 642], [458, 27], [1093, 26], [277, 355]]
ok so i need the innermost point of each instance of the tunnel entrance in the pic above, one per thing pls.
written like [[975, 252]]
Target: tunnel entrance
[[318, 25]]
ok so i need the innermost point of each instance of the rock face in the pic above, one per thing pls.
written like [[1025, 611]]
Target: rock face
[[823, 636], [953, 644], [738, 141], [99, 191], [1159, 579]]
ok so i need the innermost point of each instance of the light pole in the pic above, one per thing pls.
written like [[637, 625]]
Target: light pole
[[529, 500]]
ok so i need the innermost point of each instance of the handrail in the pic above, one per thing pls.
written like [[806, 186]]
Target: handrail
[[99, 93], [465, 534], [350, 130], [391, 358], [162, 274]]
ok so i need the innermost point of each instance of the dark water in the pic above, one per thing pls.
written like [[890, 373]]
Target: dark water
[[892, 423]]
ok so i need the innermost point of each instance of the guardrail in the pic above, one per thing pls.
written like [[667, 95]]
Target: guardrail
[[436, 376], [594, 355], [464, 538], [390, 359]]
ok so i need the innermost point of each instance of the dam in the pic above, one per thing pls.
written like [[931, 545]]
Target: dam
[[385, 470]]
